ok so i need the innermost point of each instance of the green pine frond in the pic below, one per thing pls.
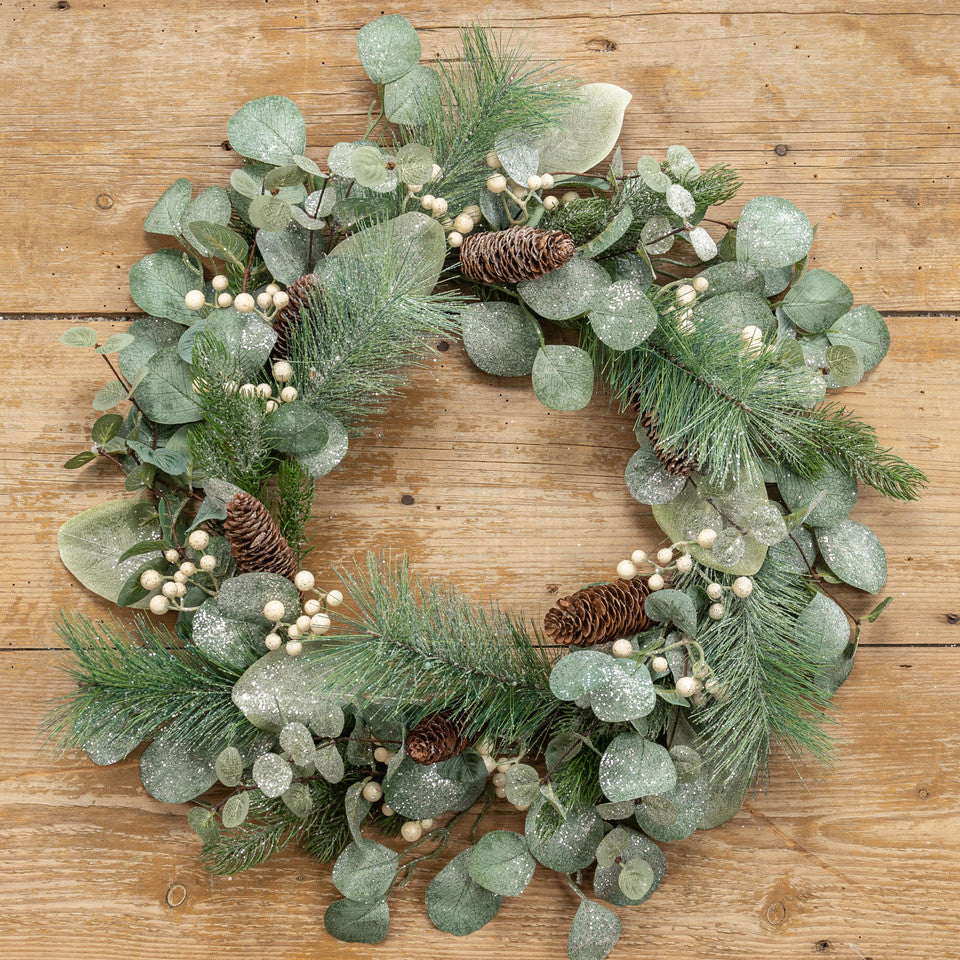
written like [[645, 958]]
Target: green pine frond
[[290, 506], [133, 682], [426, 648], [772, 696]]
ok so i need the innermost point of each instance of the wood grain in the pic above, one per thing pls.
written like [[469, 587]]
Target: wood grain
[[103, 105], [866, 859], [852, 114]]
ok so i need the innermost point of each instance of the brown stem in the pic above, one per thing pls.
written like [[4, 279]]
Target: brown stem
[[126, 386]]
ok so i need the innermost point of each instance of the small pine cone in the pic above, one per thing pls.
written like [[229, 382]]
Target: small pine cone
[[256, 542], [597, 614], [519, 253], [435, 738], [675, 460], [299, 292]]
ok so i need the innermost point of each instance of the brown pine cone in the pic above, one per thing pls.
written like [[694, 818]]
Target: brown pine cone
[[435, 738], [256, 542], [519, 253], [299, 292], [675, 460], [597, 614]]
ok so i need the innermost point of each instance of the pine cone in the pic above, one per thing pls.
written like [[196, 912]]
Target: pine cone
[[256, 542], [435, 738], [509, 256], [299, 292], [675, 460], [597, 614]]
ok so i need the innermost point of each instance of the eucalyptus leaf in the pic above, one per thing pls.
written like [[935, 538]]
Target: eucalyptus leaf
[[518, 154], [580, 671], [672, 606], [682, 163], [166, 214], [79, 337], [501, 863], [109, 395], [594, 932], [624, 316], [730, 277], [329, 763], [565, 844], [846, 367], [365, 870], [657, 235], [563, 377], [772, 233], [414, 162], [522, 784], [832, 496], [270, 213], [165, 394], [417, 791], [865, 330], [704, 246], [210, 206], [272, 774], [637, 879], [173, 772], [854, 553], [409, 99], [235, 810], [500, 337], [295, 428], [816, 300], [823, 630], [606, 879], [160, 281], [456, 903], [627, 696], [633, 766], [354, 922], [270, 129], [680, 201], [204, 824], [688, 799], [388, 48], [567, 292], [648, 481], [736, 310], [220, 242], [150, 335], [229, 766]]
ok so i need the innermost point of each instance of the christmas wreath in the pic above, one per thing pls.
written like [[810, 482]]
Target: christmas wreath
[[379, 704]]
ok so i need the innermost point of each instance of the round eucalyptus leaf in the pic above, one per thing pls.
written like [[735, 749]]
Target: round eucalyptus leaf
[[414, 162], [738, 309], [367, 164], [846, 367], [823, 630], [682, 164], [648, 481], [657, 235], [522, 784], [606, 879], [563, 377], [672, 606], [594, 932], [320, 463], [229, 766], [285, 253], [623, 317], [680, 201], [865, 330], [409, 99], [79, 337], [167, 213], [352, 921], [772, 233], [816, 300], [388, 48], [567, 292], [272, 774], [854, 553], [652, 175], [731, 277], [160, 281], [689, 799], [235, 810], [416, 791], [500, 338], [704, 246], [270, 129], [627, 696], [365, 870], [580, 671], [829, 498], [501, 863], [633, 766], [565, 844], [637, 878], [269, 212], [174, 773], [456, 903]]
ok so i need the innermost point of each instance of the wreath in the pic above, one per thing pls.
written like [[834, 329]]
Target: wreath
[[380, 704]]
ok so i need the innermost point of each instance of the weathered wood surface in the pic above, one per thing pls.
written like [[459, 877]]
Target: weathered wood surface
[[104, 104]]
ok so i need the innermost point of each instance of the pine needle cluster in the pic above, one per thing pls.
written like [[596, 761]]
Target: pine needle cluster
[[367, 319], [133, 682], [491, 87], [425, 648], [290, 505]]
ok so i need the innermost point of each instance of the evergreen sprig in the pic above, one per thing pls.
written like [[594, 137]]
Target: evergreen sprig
[[139, 680], [492, 85], [772, 697], [424, 647], [290, 506]]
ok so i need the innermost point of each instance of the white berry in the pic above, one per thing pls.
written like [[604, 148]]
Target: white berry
[[264, 391], [171, 555], [534, 182], [159, 605], [499, 779], [428, 823], [282, 371], [493, 161], [264, 300], [304, 580], [547, 181], [272, 406], [288, 394], [302, 623], [224, 300], [311, 607], [281, 299], [436, 172], [170, 589], [688, 687], [655, 582], [274, 610], [293, 632], [659, 664], [411, 831], [248, 390], [707, 538], [188, 568], [199, 539], [700, 284], [271, 288], [686, 294], [208, 562], [195, 300], [638, 557], [219, 283], [664, 556], [381, 755], [716, 611], [150, 579], [426, 201], [489, 763], [319, 623], [551, 203], [622, 648], [179, 577], [569, 197], [334, 598], [743, 587], [244, 303], [293, 647], [463, 223], [684, 563], [273, 641], [497, 183], [455, 238], [626, 570], [499, 792], [440, 207], [372, 791], [714, 591], [751, 334], [387, 810]]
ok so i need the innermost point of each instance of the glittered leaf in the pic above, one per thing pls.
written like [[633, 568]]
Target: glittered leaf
[[354, 922], [623, 317], [160, 281], [816, 300], [456, 903], [636, 879], [772, 233], [522, 784], [728, 277], [606, 879], [166, 392], [270, 213], [270, 129], [565, 844], [320, 463], [854, 553], [285, 253], [594, 932], [672, 606], [832, 495], [680, 201], [329, 763], [689, 801], [167, 212], [518, 154], [823, 630], [173, 773], [627, 696], [407, 99], [388, 48], [866, 331], [704, 246], [610, 234], [235, 810], [500, 338], [272, 774], [229, 766], [846, 367], [416, 790], [682, 164], [568, 291], [365, 870], [633, 766], [563, 377], [501, 863], [579, 672], [648, 481]]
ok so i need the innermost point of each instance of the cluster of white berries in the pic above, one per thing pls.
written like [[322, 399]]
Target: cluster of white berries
[[282, 373], [686, 295], [742, 587], [699, 683], [173, 587], [313, 618], [521, 193], [663, 563], [267, 302], [497, 768]]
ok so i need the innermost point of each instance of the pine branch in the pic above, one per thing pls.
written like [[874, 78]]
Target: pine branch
[[291, 505], [492, 86], [772, 695], [230, 441], [134, 683], [424, 648], [368, 319]]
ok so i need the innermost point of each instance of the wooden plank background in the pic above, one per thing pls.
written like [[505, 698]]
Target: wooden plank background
[[851, 112]]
